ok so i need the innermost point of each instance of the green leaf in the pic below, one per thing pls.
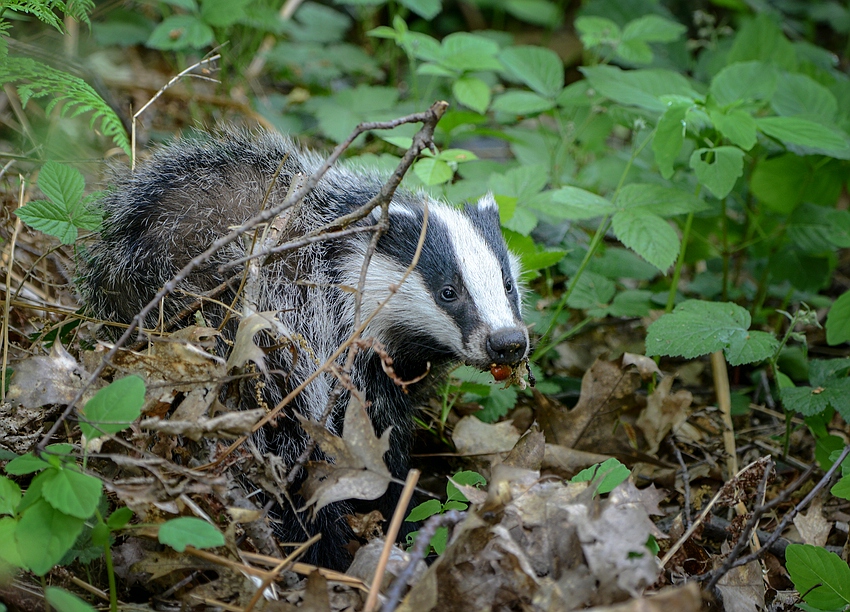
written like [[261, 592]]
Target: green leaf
[[648, 235], [223, 13], [118, 519], [469, 478], [743, 82], [782, 182], [594, 31], [63, 601], [472, 92], [61, 183], [612, 473], [440, 540], [841, 488], [669, 136], [798, 94], [837, 321], [181, 32], [114, 407], [50, 218], [44, 535], [100, 534], [718, 174], [537, 12], [189, 531], [653, 28], [696, 328], [814, 400], [427, 9], [737, 126], [803, 132], [663, 201], [71, 492], [822, 578], [522, 103], [539, 68], [26, 464], [10, 495], [522, 182], [642, 88], [631, 303], [433, 171], [592, 292], [463, 51], [8, 546], [424, 510], [817, 228], [761, 38], [575, 204], [754, 347]]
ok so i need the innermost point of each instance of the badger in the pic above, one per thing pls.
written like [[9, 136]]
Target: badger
[[460, 304]]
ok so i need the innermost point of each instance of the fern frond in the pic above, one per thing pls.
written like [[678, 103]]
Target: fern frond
[[33, 79], [42, 9]]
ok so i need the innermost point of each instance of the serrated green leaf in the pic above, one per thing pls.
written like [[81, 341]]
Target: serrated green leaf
[[634, 51], [433, 171], [189, 531], [642, 88], [761, 38], [575, 204], [427, 9], [71, 492], [537, 12], [631, 303], [804, 132], [520, 182], [663, 201], [838, 321], [808, 401], [26, 464], [49, 217], [817, 228], [539, 68], [63, 601], [718, 169], [463, 51], [522, 103], [472, 92], [669, 136], [822, 578], [10, 495], [44, 535], [469, 478], [114, 407], [696, 328], [737, 126], [61, 183], [181, 32], [743, 82], [648, 235], [592, 291], [754, 347], [425, 510], [606, 475]]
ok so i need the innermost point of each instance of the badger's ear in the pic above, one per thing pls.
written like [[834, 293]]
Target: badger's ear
[[488, 201]]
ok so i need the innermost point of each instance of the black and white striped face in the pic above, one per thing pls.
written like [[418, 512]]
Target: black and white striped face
[[463, 300]]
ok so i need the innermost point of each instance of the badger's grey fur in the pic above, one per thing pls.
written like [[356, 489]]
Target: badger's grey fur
[[461, 303]]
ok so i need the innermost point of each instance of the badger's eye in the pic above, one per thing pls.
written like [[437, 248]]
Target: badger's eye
[[448, 294], [509, 286]]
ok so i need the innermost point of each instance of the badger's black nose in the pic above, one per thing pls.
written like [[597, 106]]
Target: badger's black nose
[[507, 345]]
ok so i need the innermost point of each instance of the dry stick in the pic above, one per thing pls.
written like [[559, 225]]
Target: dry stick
[[686, 484], [156, 97], [306, 568], [717, 574], [724, 401], [278, 569], [431, 116], [7, 304], [423, 542], [686, 536], [392, 532]]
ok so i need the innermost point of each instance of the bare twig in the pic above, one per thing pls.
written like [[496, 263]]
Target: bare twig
[[392, 533], [724, 401], [6, 302], [686, 485]]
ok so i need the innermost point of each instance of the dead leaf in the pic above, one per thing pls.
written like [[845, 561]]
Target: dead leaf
[[472, 436], [570, 460], [52, 379], [529, 451], [813, 526], [742, 588], [646, 366], [664, 411], [366, 561], [228, 425], [358, 470], [686, 598], [244, 347]]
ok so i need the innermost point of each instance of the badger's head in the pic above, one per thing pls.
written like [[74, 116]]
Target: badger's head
[[462, 302]]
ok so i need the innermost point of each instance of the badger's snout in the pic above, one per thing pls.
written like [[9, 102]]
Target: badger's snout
[[507, 346]]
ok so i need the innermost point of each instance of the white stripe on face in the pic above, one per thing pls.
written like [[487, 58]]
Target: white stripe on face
[[480, 269]]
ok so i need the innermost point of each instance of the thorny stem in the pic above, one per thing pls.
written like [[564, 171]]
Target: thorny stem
[[429, 118]]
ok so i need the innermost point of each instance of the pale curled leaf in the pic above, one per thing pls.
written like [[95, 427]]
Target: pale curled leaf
[[244, 347], [358, 470]]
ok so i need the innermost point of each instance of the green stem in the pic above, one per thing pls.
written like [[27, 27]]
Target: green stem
[[677, 273], [110, 572]]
